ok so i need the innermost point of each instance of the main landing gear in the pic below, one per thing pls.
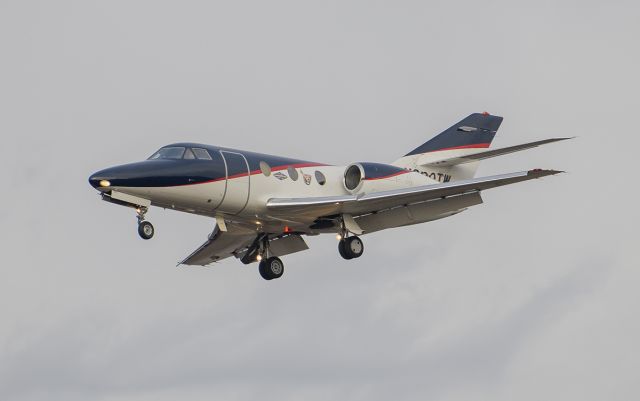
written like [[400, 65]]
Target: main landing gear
[[271, 268], [350, 247], [145, 229]]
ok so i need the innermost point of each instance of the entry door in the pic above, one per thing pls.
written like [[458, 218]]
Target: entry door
[[238, 179]]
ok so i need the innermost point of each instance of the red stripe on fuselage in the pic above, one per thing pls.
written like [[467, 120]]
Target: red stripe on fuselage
[[254, 172], [472, 146], [387, 176], [301, 165]]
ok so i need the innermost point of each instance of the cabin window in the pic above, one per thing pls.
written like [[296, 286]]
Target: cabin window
[[265, 168], [320, 178], [202, 154], [188, 154], [174, 152], [293, 173]]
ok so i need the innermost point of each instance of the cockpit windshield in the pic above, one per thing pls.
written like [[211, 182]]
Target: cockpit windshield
[[168, 153], [179, 152]]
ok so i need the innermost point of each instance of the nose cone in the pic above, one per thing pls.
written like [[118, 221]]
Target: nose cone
[[102, 179], [117, 176], [141, 174]]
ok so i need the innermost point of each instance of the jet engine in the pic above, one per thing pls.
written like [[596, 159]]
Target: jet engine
[[369, 177]]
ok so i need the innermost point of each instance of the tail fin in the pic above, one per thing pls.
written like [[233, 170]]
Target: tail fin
[[475, 131]]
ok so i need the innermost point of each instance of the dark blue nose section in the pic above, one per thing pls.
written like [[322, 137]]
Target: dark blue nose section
[[120, 176], [102, 178], [157, 173]]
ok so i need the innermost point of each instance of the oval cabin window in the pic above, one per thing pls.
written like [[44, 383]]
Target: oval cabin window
[[293, 173], [265, 168], [320, 178]]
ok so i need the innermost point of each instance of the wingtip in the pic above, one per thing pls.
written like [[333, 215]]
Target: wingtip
[[543, 173], [563, 138]]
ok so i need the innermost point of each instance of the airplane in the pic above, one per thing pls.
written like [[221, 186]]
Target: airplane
[[263, 205]]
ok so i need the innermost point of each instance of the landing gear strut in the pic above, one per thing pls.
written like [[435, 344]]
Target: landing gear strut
[[145, 228]]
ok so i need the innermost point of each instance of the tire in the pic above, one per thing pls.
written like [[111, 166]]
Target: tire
[[342, 250], [262, 269], [274, 267], [353, 247], [146, 230]]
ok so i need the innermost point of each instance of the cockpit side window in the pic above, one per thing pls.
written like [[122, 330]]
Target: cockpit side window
[[173, 152], [188, 154], [202, 154]]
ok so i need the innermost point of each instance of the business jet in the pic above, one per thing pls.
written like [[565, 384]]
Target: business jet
[[263, 205]]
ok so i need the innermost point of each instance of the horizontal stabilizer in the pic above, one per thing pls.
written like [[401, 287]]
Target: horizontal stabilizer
[[451, 161]]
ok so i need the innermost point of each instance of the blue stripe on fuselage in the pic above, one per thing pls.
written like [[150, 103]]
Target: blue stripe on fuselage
[[376, 171]]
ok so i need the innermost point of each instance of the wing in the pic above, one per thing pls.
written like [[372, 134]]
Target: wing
[[311, 208], [221, 245], [488, 153], [239, 241]]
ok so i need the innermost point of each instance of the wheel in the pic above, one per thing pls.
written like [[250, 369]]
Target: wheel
[[342, 250], [271, 268], [262, 268], [145, 229], [353, 247]]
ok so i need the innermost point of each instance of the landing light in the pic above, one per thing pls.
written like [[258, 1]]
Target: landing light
[[105, 183], [339, 237], [259, 258]]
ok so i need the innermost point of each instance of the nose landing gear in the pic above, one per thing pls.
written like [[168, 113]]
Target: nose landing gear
[[145, 228]]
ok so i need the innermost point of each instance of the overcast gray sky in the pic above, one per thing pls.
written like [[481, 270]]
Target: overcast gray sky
[[533, 295]]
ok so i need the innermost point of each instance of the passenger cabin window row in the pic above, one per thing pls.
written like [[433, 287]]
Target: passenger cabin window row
[[293, 173], [179, 152]]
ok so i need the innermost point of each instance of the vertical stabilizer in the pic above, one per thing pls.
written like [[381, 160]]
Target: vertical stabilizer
[[467, 136]]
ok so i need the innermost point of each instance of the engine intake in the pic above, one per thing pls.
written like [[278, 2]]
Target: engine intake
[[353, 176], [357, 174]]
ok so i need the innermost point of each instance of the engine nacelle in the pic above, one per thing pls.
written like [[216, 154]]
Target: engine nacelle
[[369, 177]]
